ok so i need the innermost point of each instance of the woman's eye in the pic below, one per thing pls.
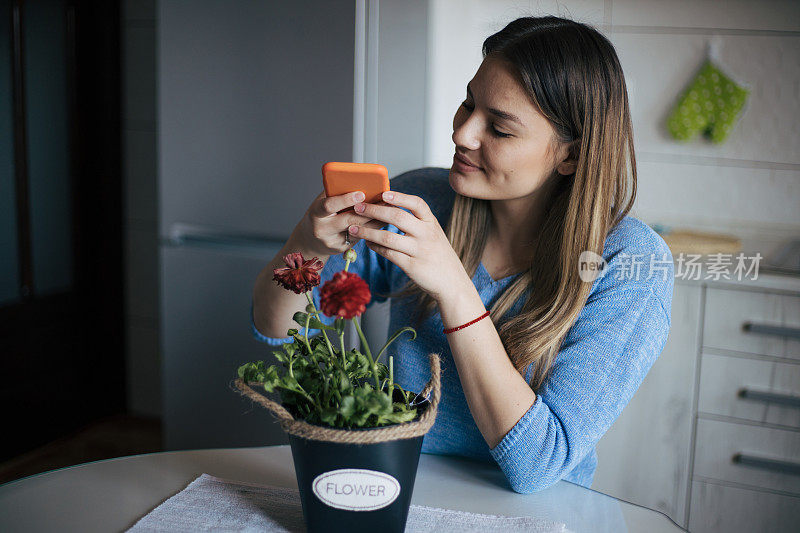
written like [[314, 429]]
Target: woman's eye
[[494, 131]]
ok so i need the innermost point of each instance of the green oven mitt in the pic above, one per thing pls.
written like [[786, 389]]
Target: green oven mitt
[[711, 105]]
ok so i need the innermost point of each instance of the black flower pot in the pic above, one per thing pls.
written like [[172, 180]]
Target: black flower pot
[[357, 487]]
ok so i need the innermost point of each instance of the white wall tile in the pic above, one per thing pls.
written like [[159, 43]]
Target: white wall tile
[[730, 14], [659, 67], [717, 195], [495, 14]]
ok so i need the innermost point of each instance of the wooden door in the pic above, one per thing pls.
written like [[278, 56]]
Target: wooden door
[[61, 308]]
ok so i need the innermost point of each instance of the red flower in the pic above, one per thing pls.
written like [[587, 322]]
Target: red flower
[[301, 275], [346, 295]]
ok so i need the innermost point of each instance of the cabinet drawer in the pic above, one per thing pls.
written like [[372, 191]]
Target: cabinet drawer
[[762, 391], [716, 508], [719, 443], [753, 322]]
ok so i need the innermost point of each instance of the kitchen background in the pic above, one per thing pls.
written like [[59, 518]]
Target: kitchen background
[[227, 112]]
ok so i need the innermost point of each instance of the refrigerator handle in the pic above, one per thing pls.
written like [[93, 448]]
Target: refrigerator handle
[[199, 236]]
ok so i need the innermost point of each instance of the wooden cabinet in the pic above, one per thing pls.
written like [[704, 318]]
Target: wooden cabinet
[[712, 437], [718, 507], [746, 460], [752, 322]]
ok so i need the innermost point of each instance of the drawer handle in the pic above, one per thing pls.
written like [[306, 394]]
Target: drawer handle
[[770, 397], [766, 329], [765, 463]]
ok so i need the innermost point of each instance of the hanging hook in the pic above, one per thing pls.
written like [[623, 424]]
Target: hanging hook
[[713, 45]]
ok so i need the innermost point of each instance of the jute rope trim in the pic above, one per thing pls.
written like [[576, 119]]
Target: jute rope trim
[[407, 430]]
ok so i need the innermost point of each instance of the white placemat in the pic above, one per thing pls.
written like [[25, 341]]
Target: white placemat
[[213, 504]]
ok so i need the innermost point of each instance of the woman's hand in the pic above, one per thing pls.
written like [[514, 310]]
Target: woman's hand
[[322, 228], [424, 253]]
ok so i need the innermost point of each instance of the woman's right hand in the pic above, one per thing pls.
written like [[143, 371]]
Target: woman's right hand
[[322, 228]]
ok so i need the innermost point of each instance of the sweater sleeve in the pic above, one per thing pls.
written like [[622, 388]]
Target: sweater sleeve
[[369, 265], [604, 358]]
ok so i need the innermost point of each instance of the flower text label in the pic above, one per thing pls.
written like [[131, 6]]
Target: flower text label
[[356, 489]]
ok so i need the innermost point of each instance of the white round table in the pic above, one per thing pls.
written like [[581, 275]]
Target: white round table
[[112, 495]]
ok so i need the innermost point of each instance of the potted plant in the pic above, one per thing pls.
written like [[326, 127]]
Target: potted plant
[[355, 434]]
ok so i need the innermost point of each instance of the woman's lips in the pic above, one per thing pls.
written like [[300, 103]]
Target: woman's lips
[[462, 165]]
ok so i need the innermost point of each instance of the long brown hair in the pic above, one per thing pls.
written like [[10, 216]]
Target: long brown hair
[[572, 74]]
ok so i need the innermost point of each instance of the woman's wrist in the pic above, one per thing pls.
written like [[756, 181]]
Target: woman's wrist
[[297, 243], [460, 305]]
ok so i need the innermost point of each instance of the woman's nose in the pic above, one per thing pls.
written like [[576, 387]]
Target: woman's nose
[[465, 134]]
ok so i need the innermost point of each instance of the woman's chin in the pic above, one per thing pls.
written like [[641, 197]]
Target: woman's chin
[[461, 182]]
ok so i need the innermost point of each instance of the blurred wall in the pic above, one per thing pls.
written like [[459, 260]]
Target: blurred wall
[[749, 186], [141, 206]]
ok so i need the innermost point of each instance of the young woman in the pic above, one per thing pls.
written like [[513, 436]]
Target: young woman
[[536, 230]]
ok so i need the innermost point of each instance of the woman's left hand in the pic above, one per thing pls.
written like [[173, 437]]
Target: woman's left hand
[[424, 253]]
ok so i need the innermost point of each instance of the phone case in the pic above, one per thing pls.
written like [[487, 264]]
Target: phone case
[[341, 178]]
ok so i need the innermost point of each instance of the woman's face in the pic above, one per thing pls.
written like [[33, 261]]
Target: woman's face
[[501, 132]]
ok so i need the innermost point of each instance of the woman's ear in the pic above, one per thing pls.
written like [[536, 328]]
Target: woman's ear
[[569, 160], [567, 168]]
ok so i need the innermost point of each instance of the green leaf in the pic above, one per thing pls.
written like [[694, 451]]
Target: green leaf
[[344, 383], [289, 348], [383, 370], [270, 379], [363, 363], [359, 419], [280, 356], [288, 382], [321, 351], [348, 407], [245, 371], [399, 417], [313, 387], [250, 372], [379, 403], [313, 322], [329, 415]]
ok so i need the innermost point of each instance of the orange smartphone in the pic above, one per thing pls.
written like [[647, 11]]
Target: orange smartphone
[[369, 178]]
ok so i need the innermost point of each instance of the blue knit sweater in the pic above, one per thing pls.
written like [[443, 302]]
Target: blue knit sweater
[[613, 343]]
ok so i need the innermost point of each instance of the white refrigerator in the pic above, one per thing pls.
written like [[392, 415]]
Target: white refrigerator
[[252, 99]]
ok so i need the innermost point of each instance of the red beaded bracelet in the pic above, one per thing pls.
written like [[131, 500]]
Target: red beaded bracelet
[[451, 330]]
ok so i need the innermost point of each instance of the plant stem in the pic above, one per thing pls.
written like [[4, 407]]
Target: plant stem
[[326, 392], [391, 377], [300, 387], [316, 314], [308, 396], [344, 359], [305, 336], [369, 354]]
